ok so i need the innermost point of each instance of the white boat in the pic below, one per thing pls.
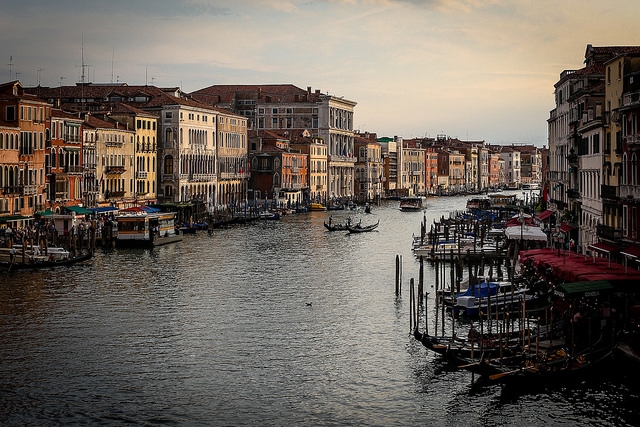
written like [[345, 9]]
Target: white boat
[[412, 203], [147, 229]]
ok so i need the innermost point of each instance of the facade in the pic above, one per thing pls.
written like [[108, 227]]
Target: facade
[[146, 147], [115, 161], [278, 173], [289, 108], [413, 168], [316, 150], [629, 115], [23, 124], [231, 158], [389, 150], [64, 163], [186, 136], [511, 157], [369, 168]]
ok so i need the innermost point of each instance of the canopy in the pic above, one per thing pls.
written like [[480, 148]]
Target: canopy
[[582, 288], [604, 247], [525, 232], [104, 209], [47, 212], [544, 215], [79, 210], [564, 227]]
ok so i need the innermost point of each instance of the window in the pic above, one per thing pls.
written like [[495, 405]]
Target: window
[[168, 165], [168, 115], [11, 113]]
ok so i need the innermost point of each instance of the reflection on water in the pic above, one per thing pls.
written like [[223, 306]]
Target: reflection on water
[[271, 323]]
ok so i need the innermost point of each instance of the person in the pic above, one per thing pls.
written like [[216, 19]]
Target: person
[[12, 254], [330, 219]]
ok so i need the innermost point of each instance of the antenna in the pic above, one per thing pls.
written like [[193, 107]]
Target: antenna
[[10, 64], [112, 52], [39, 73]]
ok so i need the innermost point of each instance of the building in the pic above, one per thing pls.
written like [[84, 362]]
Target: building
[[65, 170], [23, 147], [286, 107], [278, 173], [369, 168], [114, 160]]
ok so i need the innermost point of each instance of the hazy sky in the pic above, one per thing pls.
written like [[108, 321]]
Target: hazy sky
[[472, 69]]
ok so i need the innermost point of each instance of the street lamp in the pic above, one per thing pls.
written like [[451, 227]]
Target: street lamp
[[521, 220]]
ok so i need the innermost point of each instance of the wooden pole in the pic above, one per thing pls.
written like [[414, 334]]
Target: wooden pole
[[397, 275]]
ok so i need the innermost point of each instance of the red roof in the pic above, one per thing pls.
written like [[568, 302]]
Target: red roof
[[571, 267], [544, 215], [631, 251], [607, 248]]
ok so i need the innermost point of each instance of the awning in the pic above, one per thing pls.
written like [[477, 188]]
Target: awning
[[525, 232], [631, 252], [14, 218], [47, 212], [104, 209], [603, 247], [564, 227], [544, 215], [79, 210], [590, 288]]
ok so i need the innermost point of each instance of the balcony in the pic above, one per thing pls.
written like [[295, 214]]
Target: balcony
[[73, 169], [141, 174], [633, 141], [629, 192], [15, 189], [609, 192], [114, 170], [573, 193], [114, 194], [631, 98], [29, 190], [608, 233]]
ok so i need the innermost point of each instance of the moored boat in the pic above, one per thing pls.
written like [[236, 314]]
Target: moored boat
[[147, 229], [412, 203]]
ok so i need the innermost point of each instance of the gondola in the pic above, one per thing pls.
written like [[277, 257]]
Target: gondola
[[362, 229], [37, 265], [335, 227]]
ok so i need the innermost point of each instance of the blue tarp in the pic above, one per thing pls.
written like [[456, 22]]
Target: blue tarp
[[481, 290]]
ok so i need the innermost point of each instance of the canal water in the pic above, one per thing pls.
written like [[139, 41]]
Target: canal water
[[273, 323]]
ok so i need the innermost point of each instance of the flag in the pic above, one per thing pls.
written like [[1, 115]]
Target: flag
[[545, 194]]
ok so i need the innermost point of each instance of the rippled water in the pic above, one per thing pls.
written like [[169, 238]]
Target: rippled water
[[217, 330]]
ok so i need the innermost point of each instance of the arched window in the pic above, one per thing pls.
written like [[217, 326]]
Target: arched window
[[168, 165]]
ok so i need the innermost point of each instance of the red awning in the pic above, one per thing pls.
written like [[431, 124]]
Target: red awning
[[544, 215], [564, 227], [606, 248], [631, 252]]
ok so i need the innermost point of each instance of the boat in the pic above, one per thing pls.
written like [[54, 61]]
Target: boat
[[269, 215], [318, 207], [359, 228], [412, 203], [147, 229], [40, 262]]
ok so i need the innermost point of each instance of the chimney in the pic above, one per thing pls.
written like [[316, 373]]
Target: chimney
[[309, 90]]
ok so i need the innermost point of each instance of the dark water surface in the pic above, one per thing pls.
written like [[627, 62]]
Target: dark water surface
[[216, 330]]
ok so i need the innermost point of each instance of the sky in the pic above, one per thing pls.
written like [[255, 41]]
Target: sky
[[468, 69]]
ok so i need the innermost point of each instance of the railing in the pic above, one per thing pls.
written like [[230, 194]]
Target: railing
[[114, 194], [627, 191], [631, 98], [14, 189], [141, 174], [29, 190], [572, 193], [114, 169], [608, 232], [73, 169], [609, 192]]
